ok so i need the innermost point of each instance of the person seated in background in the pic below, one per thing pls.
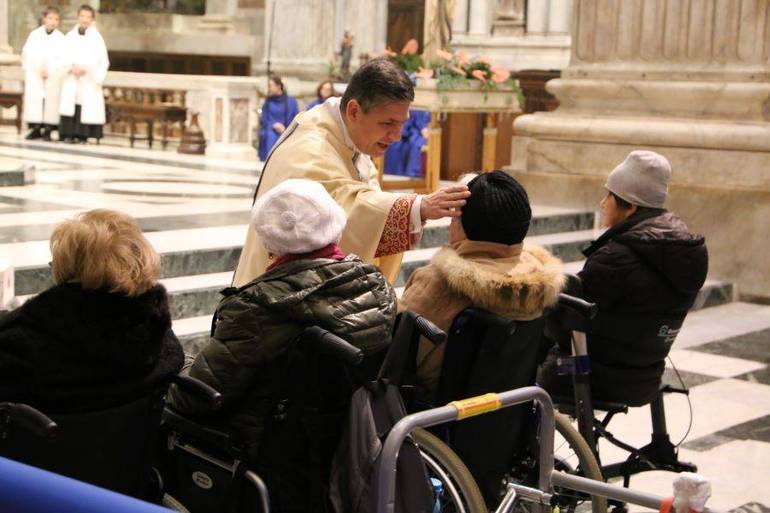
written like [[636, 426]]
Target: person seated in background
[[101, 336], [644, 273], [486, 265], [404, 157], [309, 283], [278, 111], [324, 91]]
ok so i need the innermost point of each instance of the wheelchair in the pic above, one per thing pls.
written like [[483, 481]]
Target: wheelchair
[[206, 469], [486, 353], [659, 454], [111, 448]]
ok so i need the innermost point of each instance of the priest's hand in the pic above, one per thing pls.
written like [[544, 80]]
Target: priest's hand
[[445, 202], [78, 71], [44, 75]]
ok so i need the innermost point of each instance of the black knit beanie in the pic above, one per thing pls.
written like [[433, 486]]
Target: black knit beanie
[[498, 209]]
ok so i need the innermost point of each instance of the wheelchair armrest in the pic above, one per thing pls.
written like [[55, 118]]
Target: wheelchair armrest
[[584, 308], [429, 330], [196, 430], [199, 389], [331, 344], [31, 419]]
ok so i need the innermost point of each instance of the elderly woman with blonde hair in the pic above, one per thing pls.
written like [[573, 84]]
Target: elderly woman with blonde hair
[[101, 335]]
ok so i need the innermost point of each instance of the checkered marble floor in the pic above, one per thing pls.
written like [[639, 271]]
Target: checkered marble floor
[[188, 202]]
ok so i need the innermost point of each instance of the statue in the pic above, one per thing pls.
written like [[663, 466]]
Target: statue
[[346, 52], [438, 27]]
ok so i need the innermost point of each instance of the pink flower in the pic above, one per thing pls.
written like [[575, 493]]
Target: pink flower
[[458, 70], [424, 73], [444, 55], [479, 75], [462, 58], [485, 59], [500, 74], [388, 52], [410, 48]]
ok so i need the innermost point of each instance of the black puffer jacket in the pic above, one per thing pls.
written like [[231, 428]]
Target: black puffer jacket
[[72, 350], [256, 323], [644, 274]]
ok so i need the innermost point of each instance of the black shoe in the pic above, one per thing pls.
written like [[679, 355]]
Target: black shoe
[[34, 134], [68, 140], [46, 135]]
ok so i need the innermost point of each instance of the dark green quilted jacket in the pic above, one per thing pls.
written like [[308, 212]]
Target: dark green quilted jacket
[[256, 323]]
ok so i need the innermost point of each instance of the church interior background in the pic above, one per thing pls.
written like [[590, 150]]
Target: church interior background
[[687, 78]]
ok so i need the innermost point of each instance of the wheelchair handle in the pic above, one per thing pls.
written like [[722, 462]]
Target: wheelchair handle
[[333, 345], [429, 330], [584, 308], [32, 420], [198, 388]]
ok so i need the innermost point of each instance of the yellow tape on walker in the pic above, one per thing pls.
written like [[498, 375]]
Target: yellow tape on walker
[[476, 405]]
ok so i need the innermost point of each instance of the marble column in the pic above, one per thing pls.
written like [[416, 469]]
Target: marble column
[[460, 17], [559, 16], [222, 7], [479, 17], [6, 53], [537, 16], [303, 33], [689, 79]]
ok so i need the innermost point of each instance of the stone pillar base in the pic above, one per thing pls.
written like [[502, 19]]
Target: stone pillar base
[[721, 193]]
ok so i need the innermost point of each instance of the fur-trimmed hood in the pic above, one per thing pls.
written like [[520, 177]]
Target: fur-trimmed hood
[[517, 281]]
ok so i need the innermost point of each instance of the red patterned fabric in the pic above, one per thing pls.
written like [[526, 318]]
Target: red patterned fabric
[[395, 236], [332, 251]]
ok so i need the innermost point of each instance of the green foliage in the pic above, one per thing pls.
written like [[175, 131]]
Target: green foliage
[[409, 63]]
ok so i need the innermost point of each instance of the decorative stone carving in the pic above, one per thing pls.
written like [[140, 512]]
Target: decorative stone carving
[[509, 18]]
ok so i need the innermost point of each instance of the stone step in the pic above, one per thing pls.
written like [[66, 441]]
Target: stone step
[[545, 220], [706, 322], [212, 250]]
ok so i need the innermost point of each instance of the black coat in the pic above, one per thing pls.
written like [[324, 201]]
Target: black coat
[[70, 350], [644, 274]]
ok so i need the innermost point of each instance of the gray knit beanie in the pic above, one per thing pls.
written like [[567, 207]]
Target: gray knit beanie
[[642, 179]]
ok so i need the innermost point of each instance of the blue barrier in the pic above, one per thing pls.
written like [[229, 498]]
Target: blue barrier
[[25, 489]]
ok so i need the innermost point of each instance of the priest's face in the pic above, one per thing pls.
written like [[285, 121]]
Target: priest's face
[[85, 18], [51, 21], [373, 131]]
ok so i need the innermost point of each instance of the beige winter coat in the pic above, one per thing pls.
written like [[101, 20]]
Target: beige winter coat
[[517, 282]]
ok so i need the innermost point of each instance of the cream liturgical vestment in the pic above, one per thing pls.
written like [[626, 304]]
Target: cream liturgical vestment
[[86, 50], [316, 147], [43, 51]]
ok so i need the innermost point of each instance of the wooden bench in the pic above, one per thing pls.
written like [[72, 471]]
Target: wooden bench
[[139, 105], [9, 99]]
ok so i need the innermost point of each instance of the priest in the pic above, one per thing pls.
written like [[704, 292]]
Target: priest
[[333, 144], [82, 100], [43, 63]]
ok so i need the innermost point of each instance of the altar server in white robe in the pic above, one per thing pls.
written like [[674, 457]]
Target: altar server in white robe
[[42, 58], [82, 100]]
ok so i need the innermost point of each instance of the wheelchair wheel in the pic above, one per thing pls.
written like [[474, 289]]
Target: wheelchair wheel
[[573, 455], [460, 493]]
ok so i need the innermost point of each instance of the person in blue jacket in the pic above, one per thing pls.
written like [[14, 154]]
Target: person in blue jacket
[[278, 111], [403, 157], [324, 91]]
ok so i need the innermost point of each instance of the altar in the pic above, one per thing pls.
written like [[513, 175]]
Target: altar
[[473, 98]]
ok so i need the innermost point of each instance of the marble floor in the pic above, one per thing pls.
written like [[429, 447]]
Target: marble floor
[[195, 210]]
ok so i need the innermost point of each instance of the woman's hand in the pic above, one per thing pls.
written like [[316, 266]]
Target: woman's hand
[[279, 128]]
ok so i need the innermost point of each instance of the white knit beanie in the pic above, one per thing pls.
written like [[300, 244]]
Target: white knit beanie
[[642, 179], [296, 217]]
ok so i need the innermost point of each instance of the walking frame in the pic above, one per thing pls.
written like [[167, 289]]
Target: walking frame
[[547, 478]]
